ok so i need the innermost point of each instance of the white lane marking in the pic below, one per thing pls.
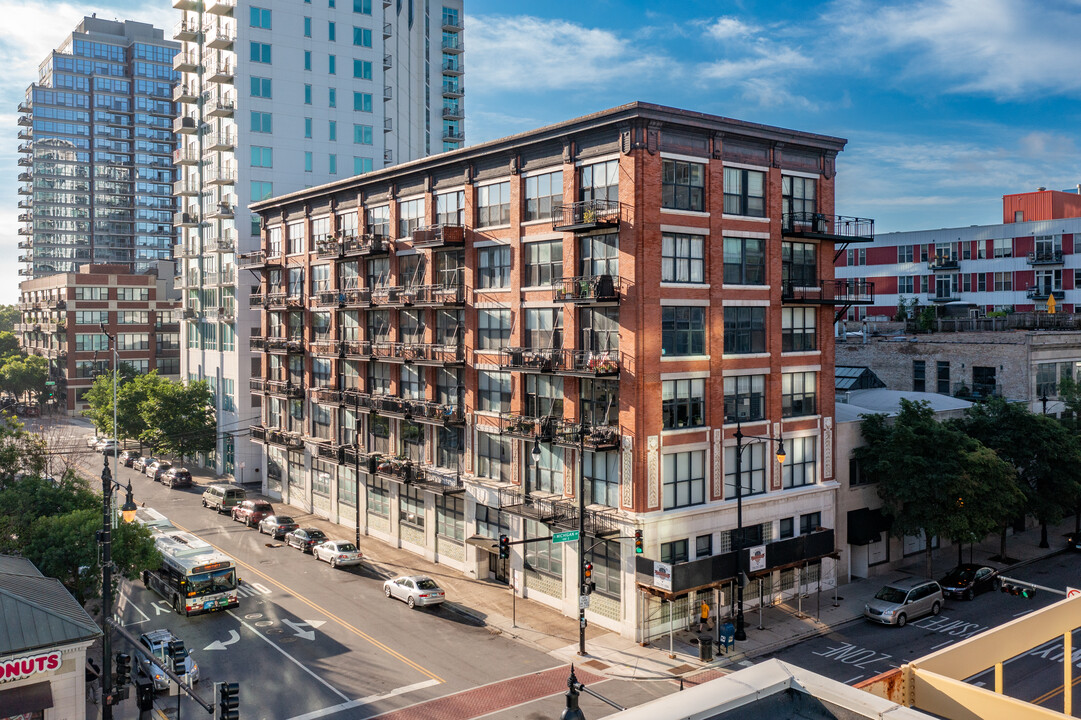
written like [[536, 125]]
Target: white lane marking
[[292, 659], [365, 700], [1025, 612], [981, 683], [942, 645], [530, 702], [123, 603], [161, 606], [306, 634], [234, 637], [852, 680]]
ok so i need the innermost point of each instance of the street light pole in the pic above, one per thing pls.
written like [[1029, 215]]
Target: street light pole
[[116, 372], [581, 536], [106, 539]]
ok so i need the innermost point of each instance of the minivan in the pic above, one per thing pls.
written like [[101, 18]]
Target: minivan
[[904, 600], [222, 497]]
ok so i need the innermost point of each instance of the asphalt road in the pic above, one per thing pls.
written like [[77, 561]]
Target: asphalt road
[[862, 649]]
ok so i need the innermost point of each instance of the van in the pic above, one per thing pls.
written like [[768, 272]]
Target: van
[[222, 497], [904, 600]]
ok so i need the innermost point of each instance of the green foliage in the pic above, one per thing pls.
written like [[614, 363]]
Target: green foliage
[[180, 419], [9, 345], [9, 315], [24, 376], [100, 401], [926, 318], [21, 452], [933, 479]]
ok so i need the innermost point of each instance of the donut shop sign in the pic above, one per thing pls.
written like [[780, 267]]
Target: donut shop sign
[[27, 666]]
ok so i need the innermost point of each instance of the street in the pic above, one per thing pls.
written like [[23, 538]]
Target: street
[[862, 649]]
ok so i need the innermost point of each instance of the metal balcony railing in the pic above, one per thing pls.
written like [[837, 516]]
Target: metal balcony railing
[[838, 228], [586, 215]]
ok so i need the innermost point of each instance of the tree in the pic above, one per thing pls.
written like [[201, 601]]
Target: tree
[[100, 400], [925, 468], [180, 419], [9, 344], [9, 315], [1046, 455]]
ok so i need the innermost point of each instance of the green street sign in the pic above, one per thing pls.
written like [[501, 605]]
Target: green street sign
[[50, 382], [569, 536]]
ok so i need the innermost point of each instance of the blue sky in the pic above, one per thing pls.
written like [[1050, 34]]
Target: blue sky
[[946, 104]]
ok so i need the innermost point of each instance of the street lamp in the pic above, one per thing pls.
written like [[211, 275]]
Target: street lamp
[[116, 374], [127, 512], [741, 633]]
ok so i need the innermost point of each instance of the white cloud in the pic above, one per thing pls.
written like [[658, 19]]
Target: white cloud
[[728, 28]]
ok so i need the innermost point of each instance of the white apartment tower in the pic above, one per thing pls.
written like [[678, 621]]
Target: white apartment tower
[[276, 96]]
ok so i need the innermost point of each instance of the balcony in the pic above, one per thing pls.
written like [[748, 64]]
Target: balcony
[[268, 301], [355, 298], [185, 126], [223, 107], [26, 161], [328, 450], [224, 210], [453, 67], [185, 93], [449, 136], [254, 260], [1043, 292], [285, 388], [26, 134], [220, 244], [453, 44], [588, 289], [948, 296], [26, 177], [220, 141], [26, 106], [185, 189], [586, 215], [976, 391], [438, 354], [577, 363], [439, 480], [398, 470], [26, 148], [438, 236], [326, 395], [446, 414], [366, 245], [220, 7], [356, 349], [387, 351], [219, 37], [185, 4], [943, 262], [540, 429], [598, 438], [257, 385], [291, 440], [26, 120], [387, 295], [453, 113], [221, 71], [186, 156], [186, 30], [216, 175], [829, 292], [388, 30], [325, 348], [834, 228], [388, 125], [440, 295], [183, 219], [388, 61], [186, 62], [1045, 257], [388, 92]]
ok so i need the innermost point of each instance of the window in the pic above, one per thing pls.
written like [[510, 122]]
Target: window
[[362, 165], [307, 59], [1003, 281], [542, 194], [744, 192], [703, 546], [683, 258], [786, 528], [411, 216], [607, 573], [83, 292], [601, 478], [543, 263], [362, 69], [798, 265], [493, 329], [411, 506], [744, 330], [919, 375], [294, 236], [684, 479], [332, 97], [801, 466], [683, 331], [332, 164], [363, 7], [1003, 247], [307, 27], [91, 317], [132, 317], [121, 294], [260, 18], [493, 458], [683, 185], [543, 328], [744, 261], [546, 557], [981, 282], [798, 197], [753, 471], [493, 391], [362, 37], [493, 267], [491, 522], [91, 342], [362, 102], [798, 392], [261, 87], [674, 552], [798, 329], [943, 368], [378, 495], [906, 284], [261, 190], [543, 396], [450, 517], [332, 130], [332, 29], [809, 522], [683, 403], [260, 52], [904, 253], [493, 204], [545, 475], [307, 94], [745, 397], [262, 156], [450, 208], [261, 122], [307, 127], [600, 181]]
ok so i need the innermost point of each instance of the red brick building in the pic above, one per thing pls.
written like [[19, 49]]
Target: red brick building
[[442, 339], [62, 317]]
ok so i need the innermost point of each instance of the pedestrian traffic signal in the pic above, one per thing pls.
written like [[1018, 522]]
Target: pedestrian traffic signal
[[504, 547], [638, 542], [228, 701], [1024, 591], [123, 669]]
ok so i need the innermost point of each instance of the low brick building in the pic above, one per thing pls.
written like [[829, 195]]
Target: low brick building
[[473, 344], [63, 314]]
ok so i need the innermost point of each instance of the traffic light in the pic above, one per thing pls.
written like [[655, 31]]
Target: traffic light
[[589, 586], [177, 653], [638, 542], [504, 547], [123, 669], [228, 701], [1024, 591]]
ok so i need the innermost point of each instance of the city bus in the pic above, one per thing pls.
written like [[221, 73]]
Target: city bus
[[193, 577]]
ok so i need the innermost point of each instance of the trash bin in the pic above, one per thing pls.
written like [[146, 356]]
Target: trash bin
[[705, 648], [144, 695]]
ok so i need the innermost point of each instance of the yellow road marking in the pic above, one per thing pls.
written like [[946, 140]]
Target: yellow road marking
[[357, 631]]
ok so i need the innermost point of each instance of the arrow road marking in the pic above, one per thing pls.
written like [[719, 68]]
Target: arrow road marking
[[234, 637], [158, 609], [306, 634]]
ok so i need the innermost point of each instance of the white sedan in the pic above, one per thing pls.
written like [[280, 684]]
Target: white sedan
[[415, 590], [338, 553]]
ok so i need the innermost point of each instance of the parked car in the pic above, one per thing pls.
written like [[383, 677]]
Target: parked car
[[338, 553], [305, 539], [100, 442], [904, 600], [277, 526], [155, 471], [251, 512], [156, 643], [127, 458], [176, 477], [1073, 541], [222, 497], [140, 463], [969, 580], [414, 590], [108, 447], [92, 440]]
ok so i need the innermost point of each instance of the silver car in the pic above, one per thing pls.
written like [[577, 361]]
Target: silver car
[[904, 600], [338, 553], [414, 590], [156, 642]]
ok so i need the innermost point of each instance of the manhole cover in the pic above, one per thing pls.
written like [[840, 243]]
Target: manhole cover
[[274, 631], [253, 616], [287, 640], [264, 623]]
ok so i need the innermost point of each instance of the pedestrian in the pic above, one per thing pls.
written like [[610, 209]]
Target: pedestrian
[[705, 624], [93, 680]]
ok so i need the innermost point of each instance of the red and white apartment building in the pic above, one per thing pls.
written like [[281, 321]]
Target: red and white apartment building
[[480, 342], [1017, 265]]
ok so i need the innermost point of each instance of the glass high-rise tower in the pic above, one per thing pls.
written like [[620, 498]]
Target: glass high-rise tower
[[96, 158]]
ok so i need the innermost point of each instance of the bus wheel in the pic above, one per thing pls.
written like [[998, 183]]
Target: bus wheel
[[176, 605]]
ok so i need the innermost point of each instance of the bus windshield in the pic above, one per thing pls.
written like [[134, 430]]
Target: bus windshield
[[209, 583]]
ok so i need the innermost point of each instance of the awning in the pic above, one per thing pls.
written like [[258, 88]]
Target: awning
[[866, 526], [483, 542], [27, 699]]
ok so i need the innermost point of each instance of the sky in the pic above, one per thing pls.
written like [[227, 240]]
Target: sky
[[946, 104]]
